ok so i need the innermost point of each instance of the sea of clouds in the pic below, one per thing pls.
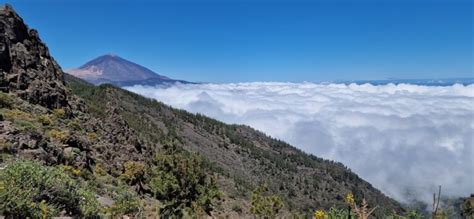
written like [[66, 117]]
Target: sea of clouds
[[404, 139]]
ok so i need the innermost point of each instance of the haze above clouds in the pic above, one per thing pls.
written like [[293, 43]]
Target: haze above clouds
[[404, 139]]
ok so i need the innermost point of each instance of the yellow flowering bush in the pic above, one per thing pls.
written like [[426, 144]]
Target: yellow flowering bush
[[92, 136], [56, 134], [59, 113], [72, 170], [133, 171], [350, 199], [45, 120], [319, 214], [16, 114]]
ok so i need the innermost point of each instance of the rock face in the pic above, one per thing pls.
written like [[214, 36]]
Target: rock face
[[26, 67], [33, 83], [115, 70]]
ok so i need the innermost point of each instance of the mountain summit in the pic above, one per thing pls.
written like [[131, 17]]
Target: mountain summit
[[115, 70]]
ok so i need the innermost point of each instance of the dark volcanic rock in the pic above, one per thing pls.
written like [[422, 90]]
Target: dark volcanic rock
[[28, 71], [26, 67]]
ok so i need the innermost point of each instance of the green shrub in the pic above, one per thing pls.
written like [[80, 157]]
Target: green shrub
[[28, 189], [59, 113], [336, 213], [5, 100], [99, 169], [58, 135], [125, 202], [88, 204], [264, 204], [45, 120], [91, 136], [181, 182], [133, 172], [164, 185], [16, 114], [71, 170], [25, 125]]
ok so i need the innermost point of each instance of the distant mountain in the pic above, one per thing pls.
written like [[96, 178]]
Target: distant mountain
[[118, 71]]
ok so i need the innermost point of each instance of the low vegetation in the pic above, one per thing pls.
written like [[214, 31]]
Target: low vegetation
[[181, 181], [126, 202], [29, 189], [264, 204]]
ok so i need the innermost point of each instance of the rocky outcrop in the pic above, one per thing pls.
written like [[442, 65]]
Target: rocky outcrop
[[26, 67], [36, 88]]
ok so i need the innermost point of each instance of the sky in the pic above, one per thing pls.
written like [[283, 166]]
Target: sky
[[263, 40]]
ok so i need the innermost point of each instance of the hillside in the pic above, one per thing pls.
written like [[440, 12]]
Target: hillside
[[72, 148], [118, 71], [242, 156]]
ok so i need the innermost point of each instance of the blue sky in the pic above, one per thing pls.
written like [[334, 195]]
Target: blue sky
[[263, 40]]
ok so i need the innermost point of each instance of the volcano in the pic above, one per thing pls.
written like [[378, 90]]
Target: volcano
[[113, 69]]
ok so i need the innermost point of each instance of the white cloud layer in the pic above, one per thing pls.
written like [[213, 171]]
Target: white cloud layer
[[404, 139]]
